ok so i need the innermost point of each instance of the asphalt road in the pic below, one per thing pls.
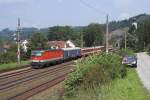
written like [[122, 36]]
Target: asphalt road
[[143, 69]]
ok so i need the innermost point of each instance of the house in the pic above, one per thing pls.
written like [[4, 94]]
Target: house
[[61, 44], [2, 50], [24, 45], [57, 44], [5, 47]]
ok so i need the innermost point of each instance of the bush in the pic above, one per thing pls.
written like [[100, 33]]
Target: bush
[[148, 49], [96, 75], [11, 55], [8, 57], [124, 52], [96, 69]]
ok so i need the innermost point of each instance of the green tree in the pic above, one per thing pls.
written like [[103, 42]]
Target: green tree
[[143, 33], [64, 33], [38, 41], [139, 39], [93, 35], [1, 42], [61, 33], [10, 55]]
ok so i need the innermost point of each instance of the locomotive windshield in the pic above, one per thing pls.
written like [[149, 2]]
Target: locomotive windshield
[[36, 53]]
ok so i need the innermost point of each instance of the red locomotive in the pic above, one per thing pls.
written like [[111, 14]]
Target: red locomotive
[[42, 58]]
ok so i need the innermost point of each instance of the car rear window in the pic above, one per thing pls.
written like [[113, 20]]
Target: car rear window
[[131, 58]]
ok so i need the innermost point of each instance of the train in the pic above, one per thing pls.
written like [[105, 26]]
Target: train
[[42, 58]]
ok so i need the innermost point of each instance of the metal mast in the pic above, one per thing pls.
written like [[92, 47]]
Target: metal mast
[[125, 40], [107, 32], [18, 41], [81, 39]]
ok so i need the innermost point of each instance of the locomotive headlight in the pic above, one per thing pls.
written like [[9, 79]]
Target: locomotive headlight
[[134, 62]]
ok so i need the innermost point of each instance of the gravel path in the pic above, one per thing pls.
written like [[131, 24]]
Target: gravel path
[[143, 69]]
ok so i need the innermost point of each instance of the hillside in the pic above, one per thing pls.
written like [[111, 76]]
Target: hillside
[[128, 22], [7, 34]]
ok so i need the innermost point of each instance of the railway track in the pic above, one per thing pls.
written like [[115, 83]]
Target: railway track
[[40, 75], [4, 76], [27, 73], [26, 94], [32, 76]]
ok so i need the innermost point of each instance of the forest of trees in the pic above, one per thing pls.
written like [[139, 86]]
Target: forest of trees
[[138, 40]]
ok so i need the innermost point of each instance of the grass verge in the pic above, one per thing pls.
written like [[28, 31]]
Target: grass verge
[[11, 66], [128, 88]]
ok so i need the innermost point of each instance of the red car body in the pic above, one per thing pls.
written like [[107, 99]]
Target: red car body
[[40, 58], [90, 50]]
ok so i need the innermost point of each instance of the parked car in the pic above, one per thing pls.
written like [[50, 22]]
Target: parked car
[[130, 61]]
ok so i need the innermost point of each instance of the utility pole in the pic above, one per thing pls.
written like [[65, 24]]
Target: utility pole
[[107, 32], [81, 39], [125, 37], [125, 40], [18, 41]]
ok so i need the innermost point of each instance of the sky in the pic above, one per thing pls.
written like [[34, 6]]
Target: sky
[[47, 13]]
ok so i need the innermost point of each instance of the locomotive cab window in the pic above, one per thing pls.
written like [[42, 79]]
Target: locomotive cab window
[[36, 53]]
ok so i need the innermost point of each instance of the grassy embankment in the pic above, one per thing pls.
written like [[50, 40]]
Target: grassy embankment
[[129, 88], [102, 77], [11, 66]]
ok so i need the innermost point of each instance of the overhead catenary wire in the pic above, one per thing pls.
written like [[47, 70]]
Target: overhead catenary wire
[[92, 7], [107, 22]]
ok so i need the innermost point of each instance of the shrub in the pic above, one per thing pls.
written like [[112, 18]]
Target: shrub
[[123, 71], [96, 69], [124, 52], [7, 57], [148, 49], [96, 75]]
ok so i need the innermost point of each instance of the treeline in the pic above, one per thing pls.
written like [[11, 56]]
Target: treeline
[[92, 35]]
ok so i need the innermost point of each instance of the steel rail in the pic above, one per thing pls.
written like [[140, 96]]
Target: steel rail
[[31, 77]]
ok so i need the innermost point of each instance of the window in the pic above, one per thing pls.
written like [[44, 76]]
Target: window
[[36, 53]]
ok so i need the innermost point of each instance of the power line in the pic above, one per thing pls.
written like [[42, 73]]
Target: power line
[[107, 21], [91, 7]]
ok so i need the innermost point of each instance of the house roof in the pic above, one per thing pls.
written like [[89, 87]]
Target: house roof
[[6, 45], [60, 44]]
